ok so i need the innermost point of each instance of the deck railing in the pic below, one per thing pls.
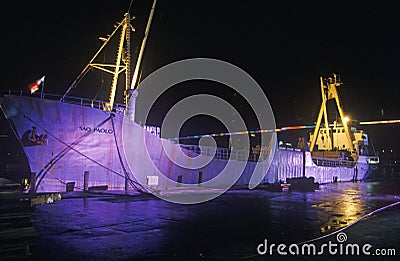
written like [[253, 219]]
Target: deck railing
[[98, 104], [225, 153], [334, 162]]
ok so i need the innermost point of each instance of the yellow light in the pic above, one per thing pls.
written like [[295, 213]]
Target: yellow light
[[346, 120]]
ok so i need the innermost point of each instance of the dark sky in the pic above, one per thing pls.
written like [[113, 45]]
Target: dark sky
[[285, 48]]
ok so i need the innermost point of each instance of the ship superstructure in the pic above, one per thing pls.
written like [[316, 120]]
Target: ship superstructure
[[338, 140]]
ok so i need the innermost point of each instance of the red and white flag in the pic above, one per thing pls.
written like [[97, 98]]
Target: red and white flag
[[33, 87]]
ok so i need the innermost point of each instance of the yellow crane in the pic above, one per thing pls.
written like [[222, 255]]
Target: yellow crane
[[329, 91]]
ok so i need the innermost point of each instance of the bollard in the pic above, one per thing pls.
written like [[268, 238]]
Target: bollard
[[33, 183], [179, 181], [85, 180], [200, 180], [304, 162], [126, 182]]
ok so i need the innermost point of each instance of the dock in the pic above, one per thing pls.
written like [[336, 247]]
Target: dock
[[17, 230]]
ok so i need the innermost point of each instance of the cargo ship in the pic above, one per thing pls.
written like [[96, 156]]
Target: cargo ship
[[78, 141]]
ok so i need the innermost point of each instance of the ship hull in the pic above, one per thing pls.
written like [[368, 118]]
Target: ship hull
[[82, 139]]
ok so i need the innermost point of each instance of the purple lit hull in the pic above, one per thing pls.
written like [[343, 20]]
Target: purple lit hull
[[82, 138]]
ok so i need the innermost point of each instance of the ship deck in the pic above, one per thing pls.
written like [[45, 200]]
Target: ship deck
[[87, 102]]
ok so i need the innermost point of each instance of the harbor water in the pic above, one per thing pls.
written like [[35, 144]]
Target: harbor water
[[239, 225]]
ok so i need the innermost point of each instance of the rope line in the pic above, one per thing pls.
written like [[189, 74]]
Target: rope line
[[137, 186], [69, 147], [63, 152], [130, 5]]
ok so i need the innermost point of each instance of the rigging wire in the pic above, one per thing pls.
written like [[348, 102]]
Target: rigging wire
[[69, 147], [136, 185], [130, 4], [99, 91], [13, 129], [61, 154]]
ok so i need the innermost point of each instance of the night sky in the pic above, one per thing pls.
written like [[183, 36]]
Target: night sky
[[285, 48]]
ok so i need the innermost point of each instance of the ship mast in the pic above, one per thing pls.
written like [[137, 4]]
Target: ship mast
[[329, 91], [132, 93], [135, 74], [123, 54], [118, 68], [122, 64], [129, 92]]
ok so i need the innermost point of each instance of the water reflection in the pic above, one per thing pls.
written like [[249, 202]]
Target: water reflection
[[342, 210]]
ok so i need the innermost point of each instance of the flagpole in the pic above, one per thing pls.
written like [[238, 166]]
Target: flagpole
[[41, 94]]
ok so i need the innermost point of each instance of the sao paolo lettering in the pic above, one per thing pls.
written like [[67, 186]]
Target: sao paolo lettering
[[96, 130]]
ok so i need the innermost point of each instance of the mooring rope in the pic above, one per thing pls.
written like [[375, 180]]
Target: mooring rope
[[62, 153], [133, 183], [69, 147]]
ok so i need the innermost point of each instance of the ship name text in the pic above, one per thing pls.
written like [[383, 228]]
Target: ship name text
[[96, 130]]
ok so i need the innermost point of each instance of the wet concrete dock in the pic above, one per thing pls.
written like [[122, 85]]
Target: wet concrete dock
[[17, 231], [230, 227]]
